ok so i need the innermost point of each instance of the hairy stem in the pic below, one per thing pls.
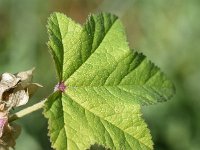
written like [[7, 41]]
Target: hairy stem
[[26, 111]]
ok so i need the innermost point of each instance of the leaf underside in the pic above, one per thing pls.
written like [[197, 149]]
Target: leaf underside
[[106, 81]]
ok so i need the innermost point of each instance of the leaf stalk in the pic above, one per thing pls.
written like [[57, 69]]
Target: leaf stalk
[[26, 111]]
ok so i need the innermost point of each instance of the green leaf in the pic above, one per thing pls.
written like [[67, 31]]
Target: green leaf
[[106, 84]]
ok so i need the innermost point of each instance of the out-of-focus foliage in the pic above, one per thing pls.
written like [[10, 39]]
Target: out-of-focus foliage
[[166, 31]]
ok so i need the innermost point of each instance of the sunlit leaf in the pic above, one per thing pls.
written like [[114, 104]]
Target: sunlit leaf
[[105, 83]]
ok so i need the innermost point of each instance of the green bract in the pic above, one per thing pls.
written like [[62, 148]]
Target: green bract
[[106, 84]]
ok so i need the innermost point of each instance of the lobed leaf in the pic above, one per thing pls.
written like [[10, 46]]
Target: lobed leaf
[[106, 84]]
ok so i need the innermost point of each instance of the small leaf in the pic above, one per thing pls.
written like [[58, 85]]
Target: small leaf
[[26, 76], [15, 90], [7, 81], [19, 98], [104, 81]]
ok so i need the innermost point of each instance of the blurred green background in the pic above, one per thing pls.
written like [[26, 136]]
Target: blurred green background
[[167, 31]]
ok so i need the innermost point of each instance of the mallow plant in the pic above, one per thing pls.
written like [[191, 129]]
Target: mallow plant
[[102, 84]]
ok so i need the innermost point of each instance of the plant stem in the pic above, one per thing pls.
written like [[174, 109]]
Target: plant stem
[[26, 111]]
